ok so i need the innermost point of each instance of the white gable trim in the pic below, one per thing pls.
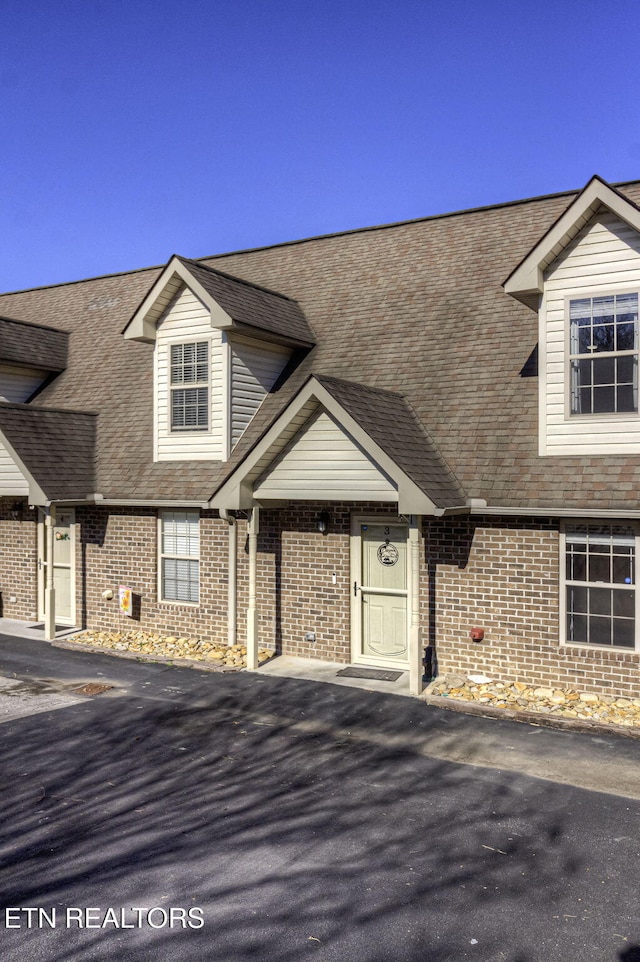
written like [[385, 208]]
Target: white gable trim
[[142, 326], [527, 280], [35, 493], [323, 463], [237, 492]]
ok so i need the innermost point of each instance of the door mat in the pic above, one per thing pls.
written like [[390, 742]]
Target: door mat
[[374, 674], [58, 627]]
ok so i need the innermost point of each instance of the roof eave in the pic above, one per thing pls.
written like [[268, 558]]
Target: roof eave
[[526, 282], [236, 492], [143, 324]]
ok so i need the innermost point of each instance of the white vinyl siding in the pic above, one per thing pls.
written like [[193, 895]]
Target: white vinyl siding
[[12, 481], [179, 542], [17, 384], [255, 367], [603, 259], [324, 463], [187, 320]]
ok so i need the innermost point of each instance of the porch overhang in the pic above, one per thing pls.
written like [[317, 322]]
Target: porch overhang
[[16, 480], [366, 473], [46, 454]]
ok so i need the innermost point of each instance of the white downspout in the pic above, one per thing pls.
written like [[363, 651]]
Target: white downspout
[[49, 590], [415, 634], [232, 581], [252, 613]]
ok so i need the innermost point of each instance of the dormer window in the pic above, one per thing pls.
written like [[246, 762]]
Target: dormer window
[[190, 386], [604, 354]]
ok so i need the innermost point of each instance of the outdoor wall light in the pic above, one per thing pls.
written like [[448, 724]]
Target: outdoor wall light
[[322, 522], [16, 510]]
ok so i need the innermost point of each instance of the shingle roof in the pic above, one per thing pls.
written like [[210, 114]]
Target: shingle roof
[[389, 421], [252, 305], [33, 345], [57, 447], [415, 308]]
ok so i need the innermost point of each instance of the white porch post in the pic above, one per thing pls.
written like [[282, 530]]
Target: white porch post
[[252, 613], [415, 634], [49, 590], [233, 583]]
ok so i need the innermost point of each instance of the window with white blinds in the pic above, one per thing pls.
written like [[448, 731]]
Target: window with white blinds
[[180, 556], [190, 386]]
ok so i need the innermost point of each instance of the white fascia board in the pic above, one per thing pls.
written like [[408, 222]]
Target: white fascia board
[[36, 494], [525, 512], [150, 503], [527, 279], [237, 493], [142, 326]]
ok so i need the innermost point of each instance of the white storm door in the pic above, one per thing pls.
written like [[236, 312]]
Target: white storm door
[[380, 596], [64, 581]]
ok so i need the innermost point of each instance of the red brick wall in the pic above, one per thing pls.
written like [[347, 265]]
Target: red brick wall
[[119, 546], [295, 590], [503, 576], [18, 561], [296, 594]]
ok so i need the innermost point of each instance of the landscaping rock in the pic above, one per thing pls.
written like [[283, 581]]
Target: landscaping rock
[[564, 703], [149, 644]]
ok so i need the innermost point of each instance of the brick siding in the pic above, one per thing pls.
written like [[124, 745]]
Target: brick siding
[[18, 560], [504, 576], [120, 546], [501, 575]]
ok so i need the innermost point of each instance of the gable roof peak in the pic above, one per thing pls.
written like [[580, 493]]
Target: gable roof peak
[[526, 281], [189, 262], [234, 304]]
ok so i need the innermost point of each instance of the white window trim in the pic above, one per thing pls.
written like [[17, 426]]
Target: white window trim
[[172, 602], [180, 342], [587, 646], [578, 295]]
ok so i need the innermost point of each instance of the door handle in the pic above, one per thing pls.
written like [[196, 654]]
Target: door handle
[[355, 589]]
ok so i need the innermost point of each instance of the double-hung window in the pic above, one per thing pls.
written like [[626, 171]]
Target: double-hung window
[[190, 386], [604, 354], [180, 556], [600, 585]]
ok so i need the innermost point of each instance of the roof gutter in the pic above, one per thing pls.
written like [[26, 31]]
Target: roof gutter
[[576, 512], [145, 503]]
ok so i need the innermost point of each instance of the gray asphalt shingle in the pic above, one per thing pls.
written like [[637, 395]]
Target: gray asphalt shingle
[[415, 308]]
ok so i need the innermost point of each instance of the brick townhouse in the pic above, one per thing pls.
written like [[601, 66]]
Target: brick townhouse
[[359, 447]]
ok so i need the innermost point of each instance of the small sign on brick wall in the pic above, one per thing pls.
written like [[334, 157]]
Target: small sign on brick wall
[[125, 598]]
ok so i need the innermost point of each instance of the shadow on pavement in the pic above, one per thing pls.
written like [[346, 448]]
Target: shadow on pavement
[[295, 839]]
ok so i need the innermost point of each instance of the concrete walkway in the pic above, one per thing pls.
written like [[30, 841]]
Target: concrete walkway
[[327, 672], [32, 629]]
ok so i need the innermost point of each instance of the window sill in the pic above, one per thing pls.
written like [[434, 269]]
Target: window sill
[[168, 603], [608, 649], [609, 416]]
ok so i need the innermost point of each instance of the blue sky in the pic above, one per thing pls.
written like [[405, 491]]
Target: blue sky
[[132, 129]]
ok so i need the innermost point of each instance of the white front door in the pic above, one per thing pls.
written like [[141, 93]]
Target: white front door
[[64, 538], [380, 596]]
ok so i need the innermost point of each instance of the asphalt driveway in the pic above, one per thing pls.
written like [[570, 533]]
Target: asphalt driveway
[[282, 819]]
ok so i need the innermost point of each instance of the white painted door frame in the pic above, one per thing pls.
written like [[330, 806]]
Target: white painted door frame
[[61, 619], [357, 657]]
